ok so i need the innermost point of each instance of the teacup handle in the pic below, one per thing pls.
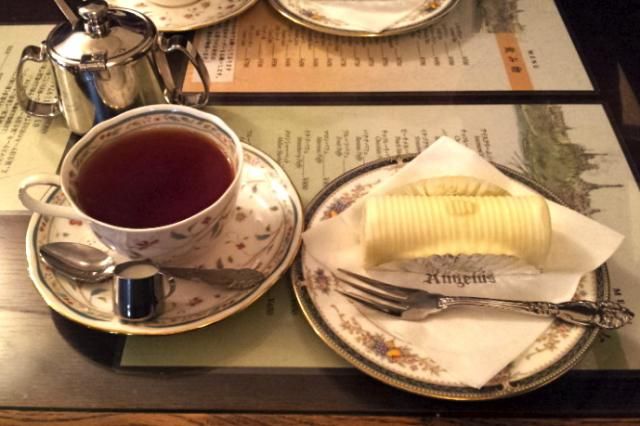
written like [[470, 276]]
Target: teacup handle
[[42, 207]]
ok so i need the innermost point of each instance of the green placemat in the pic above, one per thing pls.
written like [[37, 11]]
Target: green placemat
[[270, 333]]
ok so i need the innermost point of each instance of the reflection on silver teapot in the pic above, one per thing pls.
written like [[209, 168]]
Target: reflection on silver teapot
[[107, 61]]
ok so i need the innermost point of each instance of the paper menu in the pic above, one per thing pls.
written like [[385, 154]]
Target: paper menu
[[28, 145], [315, 144], [482, 45]]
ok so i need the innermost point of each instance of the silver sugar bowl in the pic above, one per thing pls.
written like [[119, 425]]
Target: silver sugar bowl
[[106, 61]]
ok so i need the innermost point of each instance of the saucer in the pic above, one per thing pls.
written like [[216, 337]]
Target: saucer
[[399, 363], [193, 15], [264, 234], [304, 13]]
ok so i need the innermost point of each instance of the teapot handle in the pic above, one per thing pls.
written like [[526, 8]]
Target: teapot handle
[[172, 44], [31, 106]]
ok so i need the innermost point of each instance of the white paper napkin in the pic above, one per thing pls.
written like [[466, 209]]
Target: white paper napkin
[[472, 344], [365, 15]]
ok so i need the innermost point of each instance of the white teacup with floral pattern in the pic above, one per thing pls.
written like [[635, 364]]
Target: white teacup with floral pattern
[[159, 243]]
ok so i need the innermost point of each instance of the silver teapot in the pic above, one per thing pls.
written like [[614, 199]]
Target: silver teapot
[[107, 61]]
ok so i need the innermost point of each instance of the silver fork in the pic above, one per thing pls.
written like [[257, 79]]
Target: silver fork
[[416, 305]]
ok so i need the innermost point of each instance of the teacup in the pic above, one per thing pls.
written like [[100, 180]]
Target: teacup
[[151, 182]]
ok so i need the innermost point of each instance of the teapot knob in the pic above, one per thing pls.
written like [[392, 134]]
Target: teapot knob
[[95, 15]]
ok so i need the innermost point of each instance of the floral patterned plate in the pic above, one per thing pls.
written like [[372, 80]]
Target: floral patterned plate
[[187, 15], [304, 13], [264, 234], [398, 363]]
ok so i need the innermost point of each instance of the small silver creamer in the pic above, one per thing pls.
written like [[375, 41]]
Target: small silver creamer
[[106, 62]]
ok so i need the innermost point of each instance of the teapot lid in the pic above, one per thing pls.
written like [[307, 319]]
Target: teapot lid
[[102, 37]]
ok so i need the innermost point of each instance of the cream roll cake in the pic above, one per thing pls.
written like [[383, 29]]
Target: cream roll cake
[[405, 227]]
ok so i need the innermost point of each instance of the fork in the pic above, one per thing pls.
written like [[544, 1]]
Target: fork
[[415, 305]]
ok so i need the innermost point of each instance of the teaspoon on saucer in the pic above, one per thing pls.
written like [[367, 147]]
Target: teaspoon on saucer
[[84, 263]]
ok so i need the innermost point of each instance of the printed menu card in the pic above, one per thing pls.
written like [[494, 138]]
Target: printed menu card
[[481, 45], [28, 145]]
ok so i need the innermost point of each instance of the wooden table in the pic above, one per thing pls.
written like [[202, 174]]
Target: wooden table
[[53, 370]]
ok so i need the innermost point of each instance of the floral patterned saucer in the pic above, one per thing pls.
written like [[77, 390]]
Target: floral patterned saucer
[[264, 234], [304, 13], [188, 15], [377, 353]]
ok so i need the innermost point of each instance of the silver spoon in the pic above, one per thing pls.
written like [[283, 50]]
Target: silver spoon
[[84, 263]]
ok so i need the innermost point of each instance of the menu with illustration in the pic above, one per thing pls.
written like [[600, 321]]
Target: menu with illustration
[[475, 48], [481, 45], [584, 165]]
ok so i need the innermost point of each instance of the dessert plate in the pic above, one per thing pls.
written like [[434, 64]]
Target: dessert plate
[[264, 234], [186, 15], [393, 361], [304, 13]]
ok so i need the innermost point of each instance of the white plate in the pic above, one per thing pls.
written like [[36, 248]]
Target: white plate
[[264, 234], [193, 15], [303, 13], [398, 363]]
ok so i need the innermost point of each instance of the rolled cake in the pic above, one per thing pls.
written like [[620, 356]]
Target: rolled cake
[[450, 185], [404, 227]]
